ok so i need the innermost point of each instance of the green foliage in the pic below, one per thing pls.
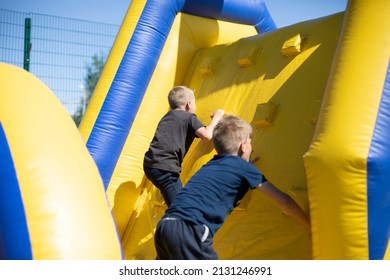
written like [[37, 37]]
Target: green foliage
[[94, 70]]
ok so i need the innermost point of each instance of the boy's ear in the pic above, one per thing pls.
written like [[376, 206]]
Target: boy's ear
[[241, 149], [187, 107]]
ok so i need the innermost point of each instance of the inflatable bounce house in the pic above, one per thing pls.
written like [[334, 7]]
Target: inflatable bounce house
[[317, 94]]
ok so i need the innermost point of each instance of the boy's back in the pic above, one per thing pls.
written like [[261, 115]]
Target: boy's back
[[173, 137], [212, 192]]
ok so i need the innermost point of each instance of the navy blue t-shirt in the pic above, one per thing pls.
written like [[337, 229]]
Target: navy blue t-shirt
[[212, 192]]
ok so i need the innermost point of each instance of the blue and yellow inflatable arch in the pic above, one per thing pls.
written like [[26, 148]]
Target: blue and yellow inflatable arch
[[314, 92]]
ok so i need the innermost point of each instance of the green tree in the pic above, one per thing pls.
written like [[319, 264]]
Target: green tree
[[94, 70]]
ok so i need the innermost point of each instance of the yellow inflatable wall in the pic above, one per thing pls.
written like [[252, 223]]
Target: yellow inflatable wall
[[345, 185]]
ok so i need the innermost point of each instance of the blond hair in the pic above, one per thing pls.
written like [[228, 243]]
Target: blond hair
[[229, 133], [179, 96]]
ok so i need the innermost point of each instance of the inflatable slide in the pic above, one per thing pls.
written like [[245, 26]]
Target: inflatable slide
[[316, 93]]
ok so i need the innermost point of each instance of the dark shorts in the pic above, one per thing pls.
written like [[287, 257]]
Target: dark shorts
[[167, 182], [176, 239]]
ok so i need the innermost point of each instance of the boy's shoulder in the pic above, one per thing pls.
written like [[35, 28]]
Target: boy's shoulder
[[179, 112], [181, 117], [231, 158], [182, 114]]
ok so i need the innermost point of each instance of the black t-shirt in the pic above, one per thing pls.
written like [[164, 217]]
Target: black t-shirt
[[174, 136]]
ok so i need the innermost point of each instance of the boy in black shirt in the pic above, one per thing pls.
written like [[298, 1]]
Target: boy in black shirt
[[173, 137]]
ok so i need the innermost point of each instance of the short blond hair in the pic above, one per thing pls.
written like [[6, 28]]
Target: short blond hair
[[229, 133], [179, 96]]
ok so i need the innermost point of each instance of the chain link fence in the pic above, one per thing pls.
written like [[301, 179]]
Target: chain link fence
[[57, 50]]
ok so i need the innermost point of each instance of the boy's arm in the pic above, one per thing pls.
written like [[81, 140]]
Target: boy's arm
[[206, 133], [285, 202]]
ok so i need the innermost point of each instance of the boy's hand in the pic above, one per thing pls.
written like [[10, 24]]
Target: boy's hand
[[217, 114], [206, 133]]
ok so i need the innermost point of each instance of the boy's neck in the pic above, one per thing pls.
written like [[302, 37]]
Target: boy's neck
[[180, 109]]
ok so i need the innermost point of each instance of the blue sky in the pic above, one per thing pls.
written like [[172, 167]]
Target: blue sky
[[283, 12]]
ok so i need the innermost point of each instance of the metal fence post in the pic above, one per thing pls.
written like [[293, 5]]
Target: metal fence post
[[27, 43]]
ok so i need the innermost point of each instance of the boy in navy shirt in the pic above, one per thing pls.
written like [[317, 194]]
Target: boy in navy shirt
[[186, 230]]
